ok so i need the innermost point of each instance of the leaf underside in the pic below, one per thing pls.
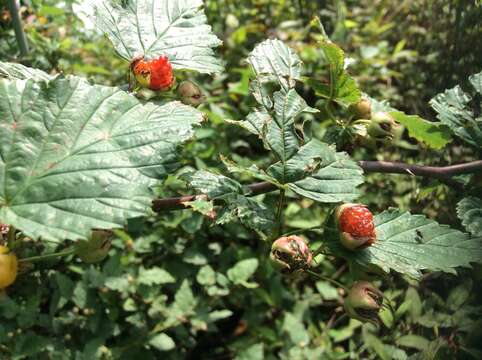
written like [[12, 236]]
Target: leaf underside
[[22, 72], [177, 29], [469, 211], [74, 157], [457, 110], [409, 244]]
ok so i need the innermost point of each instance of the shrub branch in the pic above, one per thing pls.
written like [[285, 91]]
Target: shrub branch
[[442, 173]]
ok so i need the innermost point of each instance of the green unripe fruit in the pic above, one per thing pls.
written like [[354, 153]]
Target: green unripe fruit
[[362, 109], [96, 248], [364, 302], [190, 94]]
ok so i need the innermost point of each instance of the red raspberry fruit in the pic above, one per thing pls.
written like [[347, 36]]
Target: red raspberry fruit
[[355, 223], [154, 74]]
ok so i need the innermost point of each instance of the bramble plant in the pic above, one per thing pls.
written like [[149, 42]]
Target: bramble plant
[[81, 162]]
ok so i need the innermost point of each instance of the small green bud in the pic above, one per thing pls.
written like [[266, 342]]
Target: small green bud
[[364, 302], [382, 126], [96, 248], [362, 109], [190, 94]]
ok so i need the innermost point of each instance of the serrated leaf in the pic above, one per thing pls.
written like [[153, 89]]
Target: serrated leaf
[[469, 210], [340, 86], [335, 179], [434, 135], [154, 276], [409, 244], [240, 273], [280, 133], [455, 110], [213, 185], [65, 169], [16, 71], [177, 29], [276, 61]]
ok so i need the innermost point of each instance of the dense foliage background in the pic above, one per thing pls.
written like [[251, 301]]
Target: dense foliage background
[[174, 286]]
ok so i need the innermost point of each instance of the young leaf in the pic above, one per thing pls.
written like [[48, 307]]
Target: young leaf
[[469, 211], [434, 135], [273, 60], [340, 86], [151, 28], [242, 271], [66, 169], [454, 110], [411, 243], [21, 72]]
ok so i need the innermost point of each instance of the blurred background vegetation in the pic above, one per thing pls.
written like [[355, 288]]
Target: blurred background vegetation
[[402, 51]]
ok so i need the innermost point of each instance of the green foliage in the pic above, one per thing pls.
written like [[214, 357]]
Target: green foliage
[[196, 283], [432, 134], [340, 86], [411, 243], [150, 28], [455, 109], [65, 171], [469, 211]]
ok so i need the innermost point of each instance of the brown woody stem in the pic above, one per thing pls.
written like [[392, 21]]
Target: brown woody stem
[[443, 173]]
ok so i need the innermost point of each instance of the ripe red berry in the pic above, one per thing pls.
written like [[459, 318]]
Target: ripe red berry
[[154, 74], [355, 223]]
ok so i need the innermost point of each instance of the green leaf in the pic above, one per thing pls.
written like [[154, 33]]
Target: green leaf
[[184, 300], [154, 276], [296, 330], [340, 87], [206, 275], [336, 178], [455, 110], [327, 291], [411, 243], [213, 185], [273, 60], [469, 210], [162, 342], [65, 169], [413, 341], [151, 28], [21, 72], [254, 352], [434, 135], [242, 271]]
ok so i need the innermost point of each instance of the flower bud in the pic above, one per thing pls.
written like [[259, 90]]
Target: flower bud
[[382, 126], [355, 224], [190, 94], [363, 302], [291, 253], [362, 109], [96, 248]]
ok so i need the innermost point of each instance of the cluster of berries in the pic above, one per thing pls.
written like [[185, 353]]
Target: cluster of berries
[[357, 231], [157, 75]]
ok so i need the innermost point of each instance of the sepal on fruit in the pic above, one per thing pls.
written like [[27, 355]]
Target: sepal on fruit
[[355, 224], [364, 302], [291, 253], [96, 248]]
